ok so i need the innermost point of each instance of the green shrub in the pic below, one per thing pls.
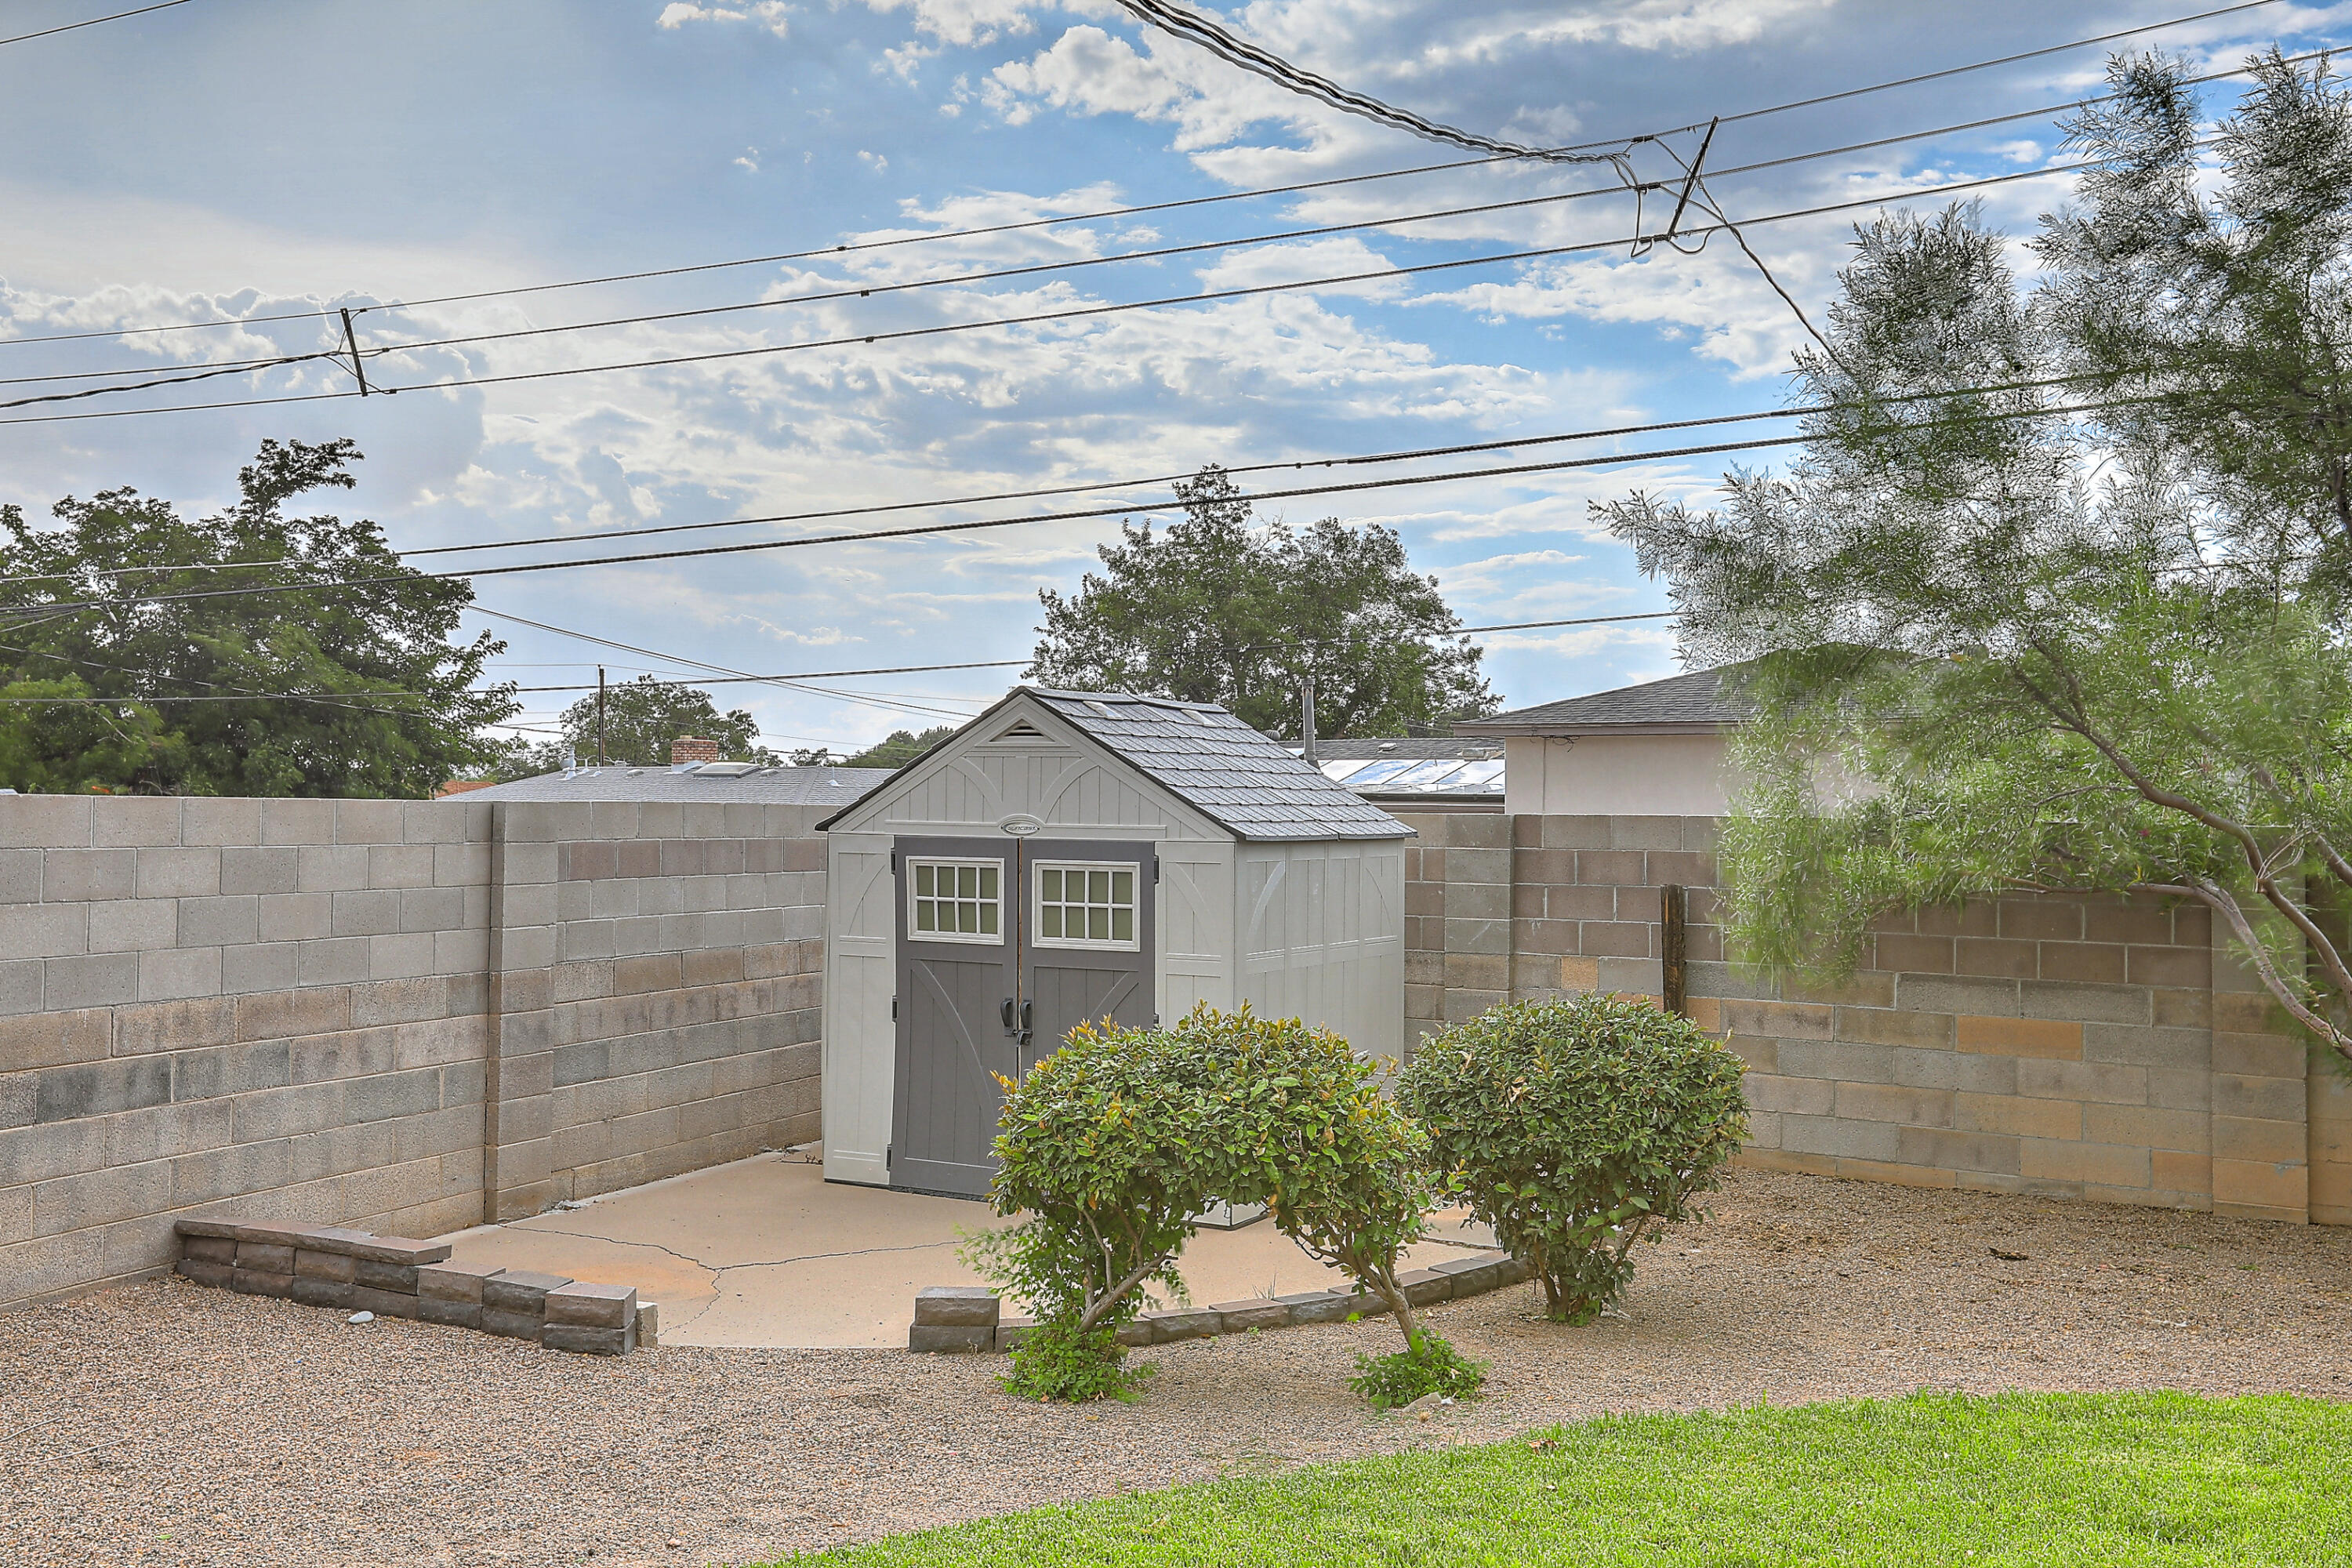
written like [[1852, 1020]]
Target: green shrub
[[1576, 1126], [1109, 1148], [1433, 1366], [1346, 1173]]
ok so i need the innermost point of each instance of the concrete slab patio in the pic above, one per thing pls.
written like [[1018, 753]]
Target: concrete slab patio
[[765, 1252]]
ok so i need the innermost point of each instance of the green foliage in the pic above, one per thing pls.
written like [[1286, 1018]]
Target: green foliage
[[2087, 638], [1109, 1148], [1215, 610], [642, 717], [2016, 1480], [1433, 1366], [1113, 1144], [403, 717], [903, 747], [1055, 1360], [1576, 1126], [1346, 1173]]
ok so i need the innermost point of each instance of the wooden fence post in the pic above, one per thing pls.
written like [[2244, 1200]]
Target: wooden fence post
[[1673, 907]]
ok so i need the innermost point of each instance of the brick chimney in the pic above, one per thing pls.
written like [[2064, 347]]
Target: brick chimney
[[693, 748]]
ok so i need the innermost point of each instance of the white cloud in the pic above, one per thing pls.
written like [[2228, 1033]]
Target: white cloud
[[1344, 257], [771, 16], [964, 22]]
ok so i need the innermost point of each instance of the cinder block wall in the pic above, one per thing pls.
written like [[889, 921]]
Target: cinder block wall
[[657, 972], [337, 1012], [2090, 1048]]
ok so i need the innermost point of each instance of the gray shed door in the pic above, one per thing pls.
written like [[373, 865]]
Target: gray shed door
[[1005, 946], [957, 970], [1086, 940]]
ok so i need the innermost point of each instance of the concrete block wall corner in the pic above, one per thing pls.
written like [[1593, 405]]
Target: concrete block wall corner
[[401, 1016], [2110, 1050]]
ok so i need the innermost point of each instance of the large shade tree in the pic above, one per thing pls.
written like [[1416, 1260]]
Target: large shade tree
[[124, 666], [1217, 609], [2054, 599]]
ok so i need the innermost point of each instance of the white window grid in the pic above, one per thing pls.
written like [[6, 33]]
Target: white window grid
[[956, 901], [1100, 900]]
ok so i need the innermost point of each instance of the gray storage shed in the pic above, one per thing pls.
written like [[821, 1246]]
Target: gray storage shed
[[1068, 856]]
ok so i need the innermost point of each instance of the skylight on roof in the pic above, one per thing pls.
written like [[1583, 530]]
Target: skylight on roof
[[726, 770]]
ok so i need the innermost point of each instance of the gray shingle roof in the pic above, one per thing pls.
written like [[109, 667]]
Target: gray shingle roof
[[1695, 701], [1237, 777], [769, 786]]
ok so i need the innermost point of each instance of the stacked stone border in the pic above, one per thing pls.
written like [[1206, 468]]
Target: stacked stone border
[[394, 1277], [968, 1319]]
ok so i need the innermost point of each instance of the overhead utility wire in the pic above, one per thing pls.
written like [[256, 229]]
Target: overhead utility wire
[[94, 21], [1165, 302], [804, 540], [1009, 663], [1195, 30], [1077, 312], [1295, 464], [807, 675], [696, 663], [1104, 213], [1081, 263]]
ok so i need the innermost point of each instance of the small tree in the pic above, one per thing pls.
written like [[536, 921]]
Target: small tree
[[1112, 1147], [1576, 1126], [1216, 609], [1347, 1175]]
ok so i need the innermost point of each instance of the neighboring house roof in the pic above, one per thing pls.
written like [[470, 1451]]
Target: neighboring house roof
[[1242, 781], [1414, 768], [710, 781], [1679, 705]]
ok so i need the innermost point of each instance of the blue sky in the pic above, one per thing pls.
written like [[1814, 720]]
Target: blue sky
[[242, 158]]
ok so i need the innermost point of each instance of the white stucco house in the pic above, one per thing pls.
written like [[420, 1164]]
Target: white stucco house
[[1653, 750]]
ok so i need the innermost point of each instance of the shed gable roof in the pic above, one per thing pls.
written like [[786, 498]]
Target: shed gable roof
[[1240, 780]]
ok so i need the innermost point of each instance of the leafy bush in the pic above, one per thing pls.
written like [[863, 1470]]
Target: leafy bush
[[1346, 1173], [1110, 1147], [1433, 1366], [1055, 1361], [1577, 1127]]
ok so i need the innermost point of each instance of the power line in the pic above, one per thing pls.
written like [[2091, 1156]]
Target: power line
[[1086, 312], [795, 676], [946, 527], [1456, 450], [1103, 214], [1160, 253], [1195, 30], [94, 21]]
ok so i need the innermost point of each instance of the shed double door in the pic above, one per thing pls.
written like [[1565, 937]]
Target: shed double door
[[1005, 946]]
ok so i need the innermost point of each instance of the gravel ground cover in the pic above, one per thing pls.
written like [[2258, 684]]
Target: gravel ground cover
[[165, 1424]]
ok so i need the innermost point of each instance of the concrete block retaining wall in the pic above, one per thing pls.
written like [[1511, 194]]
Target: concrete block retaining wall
[[405, 1015], [391, 1277], [2103, 1049], [950, 1319]]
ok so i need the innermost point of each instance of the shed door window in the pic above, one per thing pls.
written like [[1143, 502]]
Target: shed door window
[[956, 901], [1085, 904]]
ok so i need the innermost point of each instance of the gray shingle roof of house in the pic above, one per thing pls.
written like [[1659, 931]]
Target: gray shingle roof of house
[[1241, 779], [1695, 702], [768, 786]]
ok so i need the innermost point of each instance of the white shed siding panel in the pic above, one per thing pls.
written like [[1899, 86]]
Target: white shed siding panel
[[1195, 921], [860, 1040], [1322, 936]]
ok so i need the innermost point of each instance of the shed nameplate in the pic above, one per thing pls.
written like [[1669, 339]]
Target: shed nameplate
[[1021, 824]]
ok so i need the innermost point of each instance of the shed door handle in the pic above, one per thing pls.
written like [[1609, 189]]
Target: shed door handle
[[1006, 1013]]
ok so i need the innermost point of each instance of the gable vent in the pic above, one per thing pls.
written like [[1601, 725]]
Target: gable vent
[[1022, 730]]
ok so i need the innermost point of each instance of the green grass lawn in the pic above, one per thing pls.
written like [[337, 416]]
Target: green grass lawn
[[2026, 1479]]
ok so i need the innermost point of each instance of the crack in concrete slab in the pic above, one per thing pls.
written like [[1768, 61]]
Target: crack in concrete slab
[[722, 1268]]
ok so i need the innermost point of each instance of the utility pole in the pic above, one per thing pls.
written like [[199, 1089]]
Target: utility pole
[[600, 715], [1307, 718]]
